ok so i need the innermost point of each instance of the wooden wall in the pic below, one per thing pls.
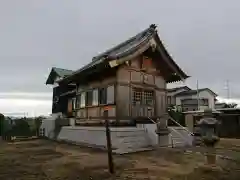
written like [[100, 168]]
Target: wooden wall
[[95, 112], [129, 76]]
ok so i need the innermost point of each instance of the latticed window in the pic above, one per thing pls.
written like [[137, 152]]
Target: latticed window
[[142, 97], [148, 97], [137, 96]]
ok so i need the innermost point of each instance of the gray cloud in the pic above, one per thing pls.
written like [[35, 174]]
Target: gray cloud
[[202, 36]]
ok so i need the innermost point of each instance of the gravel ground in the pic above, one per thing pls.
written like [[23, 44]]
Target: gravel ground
[[46, 160]]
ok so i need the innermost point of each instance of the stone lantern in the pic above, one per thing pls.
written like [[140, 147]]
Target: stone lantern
[[208, 130]]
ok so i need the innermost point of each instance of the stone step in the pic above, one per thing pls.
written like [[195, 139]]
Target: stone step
[[134, 142], [130, 140], [132, 145], [179, 141], [132, 150]]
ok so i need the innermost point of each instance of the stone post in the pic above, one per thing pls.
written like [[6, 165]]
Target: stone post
[[162, 131]]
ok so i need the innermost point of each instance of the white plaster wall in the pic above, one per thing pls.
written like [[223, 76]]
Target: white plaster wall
[[49, 125], [84, 135], [123, 137], [209, 96], [150, 130], [179, 98], [202, 94]]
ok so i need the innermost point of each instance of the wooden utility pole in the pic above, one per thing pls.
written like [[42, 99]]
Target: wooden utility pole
[[198, 104], [109, 144]]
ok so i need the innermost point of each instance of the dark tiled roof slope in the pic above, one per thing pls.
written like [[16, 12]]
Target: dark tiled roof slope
[[124, 49], [58, 71], [178, 88], [193, 92], [62, 72]]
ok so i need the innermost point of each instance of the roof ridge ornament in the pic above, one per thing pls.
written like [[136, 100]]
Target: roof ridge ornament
[[153, 26]]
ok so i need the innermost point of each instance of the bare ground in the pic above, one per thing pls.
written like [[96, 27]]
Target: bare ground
[[46, 160]]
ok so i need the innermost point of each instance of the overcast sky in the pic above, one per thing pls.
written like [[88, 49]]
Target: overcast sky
[[202, 36]]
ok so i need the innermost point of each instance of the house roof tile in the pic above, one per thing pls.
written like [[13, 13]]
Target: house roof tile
[[193, 92], [59, 72]]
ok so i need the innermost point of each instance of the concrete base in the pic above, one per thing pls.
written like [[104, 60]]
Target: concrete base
[[163, 140], [123, 138]]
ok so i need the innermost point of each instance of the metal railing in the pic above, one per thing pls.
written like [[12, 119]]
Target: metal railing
[[184, 128], [180, 135], [169, 134]]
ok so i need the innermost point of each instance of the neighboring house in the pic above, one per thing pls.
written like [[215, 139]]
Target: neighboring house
[[171, 93], [225, 105], [229, 119], [219, 105], [190, 100], [128, 81]]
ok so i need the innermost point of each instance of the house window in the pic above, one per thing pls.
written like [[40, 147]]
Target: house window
[[205, 102], [95, 97], [83, 99], [78, 101], [106, 95], [143, 97], [102, 96], [137, 96], [110, 95], [74, 103], [148, 97], [89, 98]]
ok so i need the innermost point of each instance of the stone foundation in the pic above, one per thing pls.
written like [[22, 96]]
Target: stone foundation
[[123, 138]]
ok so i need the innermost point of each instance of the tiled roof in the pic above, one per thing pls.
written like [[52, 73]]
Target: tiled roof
[[58, 71], [124, 49], [128, 45], [62, 72], [178, 88], [193, 92], [120, 50]]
